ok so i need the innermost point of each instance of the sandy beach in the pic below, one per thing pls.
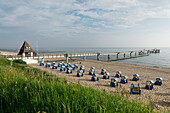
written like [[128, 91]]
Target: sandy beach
[[8, 53], [160, 95]]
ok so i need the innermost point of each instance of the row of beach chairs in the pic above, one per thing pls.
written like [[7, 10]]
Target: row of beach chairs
[[135, 88]]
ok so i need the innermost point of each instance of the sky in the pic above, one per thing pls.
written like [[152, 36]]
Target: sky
[[85, 23]]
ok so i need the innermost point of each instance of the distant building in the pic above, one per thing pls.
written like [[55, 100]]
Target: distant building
[[26, 50]]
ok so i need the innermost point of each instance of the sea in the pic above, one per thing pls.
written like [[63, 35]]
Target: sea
[[161, 59]]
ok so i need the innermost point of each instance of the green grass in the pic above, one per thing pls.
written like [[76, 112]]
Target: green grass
[[26, 89]]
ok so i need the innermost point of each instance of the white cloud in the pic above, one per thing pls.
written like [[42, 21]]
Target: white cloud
[[51, 18]]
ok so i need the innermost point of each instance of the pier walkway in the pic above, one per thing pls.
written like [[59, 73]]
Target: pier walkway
[[132, 54]]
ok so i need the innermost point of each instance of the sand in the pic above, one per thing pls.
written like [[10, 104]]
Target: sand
[[160, 95], [7, 53]]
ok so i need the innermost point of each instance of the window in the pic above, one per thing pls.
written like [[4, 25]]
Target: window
[[26, 48]]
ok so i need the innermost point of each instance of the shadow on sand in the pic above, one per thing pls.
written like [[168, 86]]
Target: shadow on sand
[[106, 85], [163, 94]]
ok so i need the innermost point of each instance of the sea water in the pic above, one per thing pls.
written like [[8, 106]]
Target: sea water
[[161, 59]]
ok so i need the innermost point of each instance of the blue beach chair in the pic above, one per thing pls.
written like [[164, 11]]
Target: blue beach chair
[[135, 77], [114, 82], [149, 84], [124, 80], [106, 76], [118, 74]]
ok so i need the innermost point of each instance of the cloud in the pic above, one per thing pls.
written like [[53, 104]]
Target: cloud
[[69, 18]]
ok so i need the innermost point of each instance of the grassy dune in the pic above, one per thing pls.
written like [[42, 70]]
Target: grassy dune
[[26, 89]]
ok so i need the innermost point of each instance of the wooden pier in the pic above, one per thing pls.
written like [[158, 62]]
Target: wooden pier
[[132, 54]]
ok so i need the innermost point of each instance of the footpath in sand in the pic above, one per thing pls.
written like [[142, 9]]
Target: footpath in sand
[[160, 95]]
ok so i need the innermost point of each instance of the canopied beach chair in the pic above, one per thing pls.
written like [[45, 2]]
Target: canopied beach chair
[[118, 74], [60, 64], [47, 65], [41, 64], [94, 77], [149, 84], [158, 81], [106, 76], [91, 72], [73, 67], [124, 80], [80, 73], [68, 65], [82, 68], [54, 67], [135, 77], [103, 71], [114, 82], [63, 68], [53, 63], [76, 66], [135, 89], [69, 70]]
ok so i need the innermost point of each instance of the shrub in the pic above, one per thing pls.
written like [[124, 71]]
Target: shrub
[[4, 61], [19, 61]]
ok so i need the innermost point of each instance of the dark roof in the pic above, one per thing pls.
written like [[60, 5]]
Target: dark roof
[[25, 48]]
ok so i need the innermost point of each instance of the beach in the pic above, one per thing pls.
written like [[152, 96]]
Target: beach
[[8, 53], [160, 95]]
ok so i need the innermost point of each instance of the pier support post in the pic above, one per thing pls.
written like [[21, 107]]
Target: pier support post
[[124, 55], [131, 53], [98, 54], [38, 59], [84, 57], [66, 55], [108, 57], [117, 55], [135, 53]]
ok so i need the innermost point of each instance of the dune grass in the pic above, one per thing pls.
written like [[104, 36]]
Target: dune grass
[[26, 89]]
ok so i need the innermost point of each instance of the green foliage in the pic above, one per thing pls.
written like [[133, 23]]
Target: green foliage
[[19, 61], [26, 89], [4, 61]]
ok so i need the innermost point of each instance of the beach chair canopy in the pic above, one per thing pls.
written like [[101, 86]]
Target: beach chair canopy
[[158, 78], [80, 71], [92, 67], [114, 79], [96, 74], [107, 73], [150, 81], [136, 75], [55, 65], [69, 68], [118, 72], [124, 77], [48, 63], [135, 85], [92, 70]]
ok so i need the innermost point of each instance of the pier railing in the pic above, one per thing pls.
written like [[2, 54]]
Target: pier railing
[[137, 53]]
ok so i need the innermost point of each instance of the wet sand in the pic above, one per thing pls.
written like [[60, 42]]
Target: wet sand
[[160, 95]]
